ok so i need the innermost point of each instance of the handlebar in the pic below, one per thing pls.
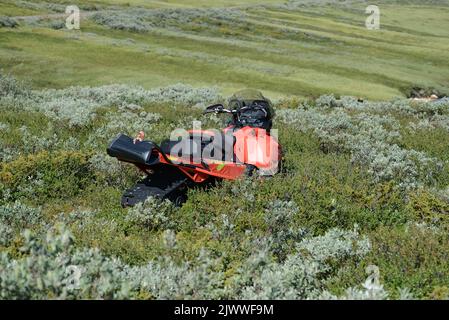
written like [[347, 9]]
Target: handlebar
[[219, 108], [219, 111]]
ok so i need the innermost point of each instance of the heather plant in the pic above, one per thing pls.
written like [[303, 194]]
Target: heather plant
[[24, 140], [48, 140], [410, 257], [110, 171], [4, 127], [122, 122], [398, 106], [367, 292], [430, 123], [40, 5], [326, 101], [123, 94], [165, 279], [296, 278], [438, 107], [7, 153], [87, 223], [336, 245], [244, 189]]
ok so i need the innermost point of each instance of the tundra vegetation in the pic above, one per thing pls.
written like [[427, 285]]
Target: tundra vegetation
[[365, 182]]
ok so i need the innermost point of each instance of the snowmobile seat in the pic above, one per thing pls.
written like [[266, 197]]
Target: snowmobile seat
[[191, 148], [182, 147]]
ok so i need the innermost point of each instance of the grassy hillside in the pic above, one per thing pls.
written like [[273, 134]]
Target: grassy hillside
[[284, 49], [365, 181]]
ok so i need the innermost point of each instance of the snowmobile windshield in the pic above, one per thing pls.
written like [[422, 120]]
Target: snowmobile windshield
[[253, 109]]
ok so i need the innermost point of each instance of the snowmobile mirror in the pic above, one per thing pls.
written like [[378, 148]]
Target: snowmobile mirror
[[214, 108]]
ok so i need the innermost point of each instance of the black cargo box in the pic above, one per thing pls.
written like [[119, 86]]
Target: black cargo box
[[124, 149]]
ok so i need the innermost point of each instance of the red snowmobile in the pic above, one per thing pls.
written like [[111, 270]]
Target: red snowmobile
[[246, 147]]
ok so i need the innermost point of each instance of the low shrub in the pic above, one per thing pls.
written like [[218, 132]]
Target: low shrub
[[52, 267], [428, 207], [47, 175], [279, 218], [153, 214], [110, 172], [412, 257], [20, 216], [6, 235], [8, 22], [11, 87], [144, 20], [372, 141], [303, 274]]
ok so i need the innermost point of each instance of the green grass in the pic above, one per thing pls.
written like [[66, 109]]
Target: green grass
[[329, 51]]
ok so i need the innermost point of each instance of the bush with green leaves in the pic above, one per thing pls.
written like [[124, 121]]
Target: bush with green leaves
[[372, 141], [12, 88], [49, 268], [8, 22], [279, 217], [18, 215], [46, 175], [52, 267], [6, 235], [302, 275], [153, 214], [78, 106], [144, 20]]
